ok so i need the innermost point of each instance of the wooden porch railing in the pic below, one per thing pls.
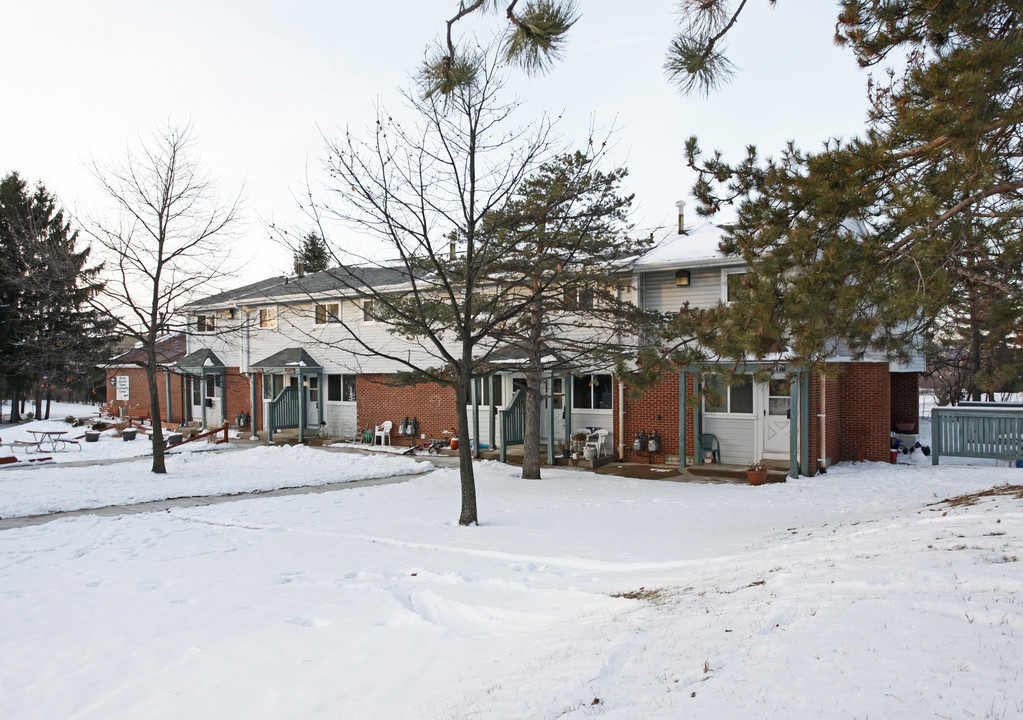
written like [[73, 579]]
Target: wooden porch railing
[[512, 421], [282, 413], [977, 432]]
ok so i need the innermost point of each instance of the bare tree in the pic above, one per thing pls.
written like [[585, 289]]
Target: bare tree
[[163, 241], [432, 193]]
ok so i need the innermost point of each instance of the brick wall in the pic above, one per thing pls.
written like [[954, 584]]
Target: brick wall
[[433, 405], [905, 398], [863, 412], [138, 404], [655, 409]]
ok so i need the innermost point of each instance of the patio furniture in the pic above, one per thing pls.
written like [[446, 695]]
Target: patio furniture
[[383, 432], [595, 440], [709, 444]]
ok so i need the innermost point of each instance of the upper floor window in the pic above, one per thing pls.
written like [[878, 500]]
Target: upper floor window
[[205, 323], [268, 317], [328, 313], [731, 283], [592, 392], [370, 310]]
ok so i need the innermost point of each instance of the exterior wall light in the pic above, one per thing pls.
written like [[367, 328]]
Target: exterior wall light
[[681, 278]]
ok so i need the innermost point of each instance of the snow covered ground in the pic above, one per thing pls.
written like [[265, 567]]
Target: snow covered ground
[[860, 593]]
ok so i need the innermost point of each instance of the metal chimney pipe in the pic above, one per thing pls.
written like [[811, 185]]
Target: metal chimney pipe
[[681, 216]]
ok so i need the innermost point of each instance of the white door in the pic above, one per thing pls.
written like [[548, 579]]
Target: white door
[[312, 401], [775, 412], [554, 395]]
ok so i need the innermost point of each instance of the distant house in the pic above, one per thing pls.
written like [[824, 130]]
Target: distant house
[[127, 391], [276, 350]]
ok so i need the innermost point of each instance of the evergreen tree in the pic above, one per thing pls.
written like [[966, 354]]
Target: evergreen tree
[[564, 234], [871, 239], [49, 334], [312, 256]]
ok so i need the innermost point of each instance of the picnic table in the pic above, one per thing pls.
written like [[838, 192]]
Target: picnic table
[[52, 438]]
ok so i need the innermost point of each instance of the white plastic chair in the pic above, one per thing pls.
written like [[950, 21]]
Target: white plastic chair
[[595, 440], [383, 432]]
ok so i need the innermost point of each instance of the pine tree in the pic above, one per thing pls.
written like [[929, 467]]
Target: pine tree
[[49, 333], [312, 256], [565, 238]]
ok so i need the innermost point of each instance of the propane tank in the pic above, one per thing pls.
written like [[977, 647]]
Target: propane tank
[[654, 444]]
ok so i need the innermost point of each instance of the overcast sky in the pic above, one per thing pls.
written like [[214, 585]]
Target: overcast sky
[[262, 82]]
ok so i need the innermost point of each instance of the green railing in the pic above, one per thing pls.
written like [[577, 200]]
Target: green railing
[[283, 412], [512, 420], [977, 432]]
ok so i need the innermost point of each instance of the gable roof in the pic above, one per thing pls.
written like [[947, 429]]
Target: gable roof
[[202, 359], [287, 358], [168, 349], [698, 247]]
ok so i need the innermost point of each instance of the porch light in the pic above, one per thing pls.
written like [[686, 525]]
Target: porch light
[[681, 278]]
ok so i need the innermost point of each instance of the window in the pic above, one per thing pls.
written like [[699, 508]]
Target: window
[[732, 284], [369, 310], [268, 317], [579, 298], [328, 313], [273, 385], [722, 398], [205, 323], [340, 388], [483, 390], [592, 392]]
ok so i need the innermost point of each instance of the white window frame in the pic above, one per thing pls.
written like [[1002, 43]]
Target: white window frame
[[727, 411], [270, 320], [205, 323], [368, 319], [591, 385], [725, 273], [343, 400], [328, 316]]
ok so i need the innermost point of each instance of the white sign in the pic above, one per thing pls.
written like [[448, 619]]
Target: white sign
[[122, 387]]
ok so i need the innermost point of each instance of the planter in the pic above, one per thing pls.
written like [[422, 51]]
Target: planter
[[454, 443], [894, 456], [127, 435], [589, 453], [756, 477], [174, 439], [91, 436]]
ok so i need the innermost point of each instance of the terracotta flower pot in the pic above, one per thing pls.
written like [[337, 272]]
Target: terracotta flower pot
[[756, 477]]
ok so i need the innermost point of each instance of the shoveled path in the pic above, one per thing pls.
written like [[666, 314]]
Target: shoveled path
[[203, 500]]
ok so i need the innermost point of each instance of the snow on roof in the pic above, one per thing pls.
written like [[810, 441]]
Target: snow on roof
[[699, 246]]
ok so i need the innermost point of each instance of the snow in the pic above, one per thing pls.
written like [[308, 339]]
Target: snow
[[698, 246], [855, 594]]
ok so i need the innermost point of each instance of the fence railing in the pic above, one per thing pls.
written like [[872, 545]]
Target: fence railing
[[977, 432], [282, 413], [512, 421]]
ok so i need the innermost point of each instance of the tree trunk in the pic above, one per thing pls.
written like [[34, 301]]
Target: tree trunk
[[468, 515], [159, 465], [15, 415], [531, 441]]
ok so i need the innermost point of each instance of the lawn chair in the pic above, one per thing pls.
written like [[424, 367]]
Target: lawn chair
[[595, 440], [383, 432], [709, 444]]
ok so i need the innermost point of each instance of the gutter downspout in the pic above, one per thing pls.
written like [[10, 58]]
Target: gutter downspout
[[621, 420], [822, 461]]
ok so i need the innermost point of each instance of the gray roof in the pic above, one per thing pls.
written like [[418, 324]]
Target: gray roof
[[339, 280], [288, 358], [200, 360]]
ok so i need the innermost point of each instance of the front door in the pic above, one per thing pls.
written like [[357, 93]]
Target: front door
[[312, 401], [555, 396], [211, 401], [775, 414]]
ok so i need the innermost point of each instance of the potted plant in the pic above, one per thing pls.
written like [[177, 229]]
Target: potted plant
[[756, 472]]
